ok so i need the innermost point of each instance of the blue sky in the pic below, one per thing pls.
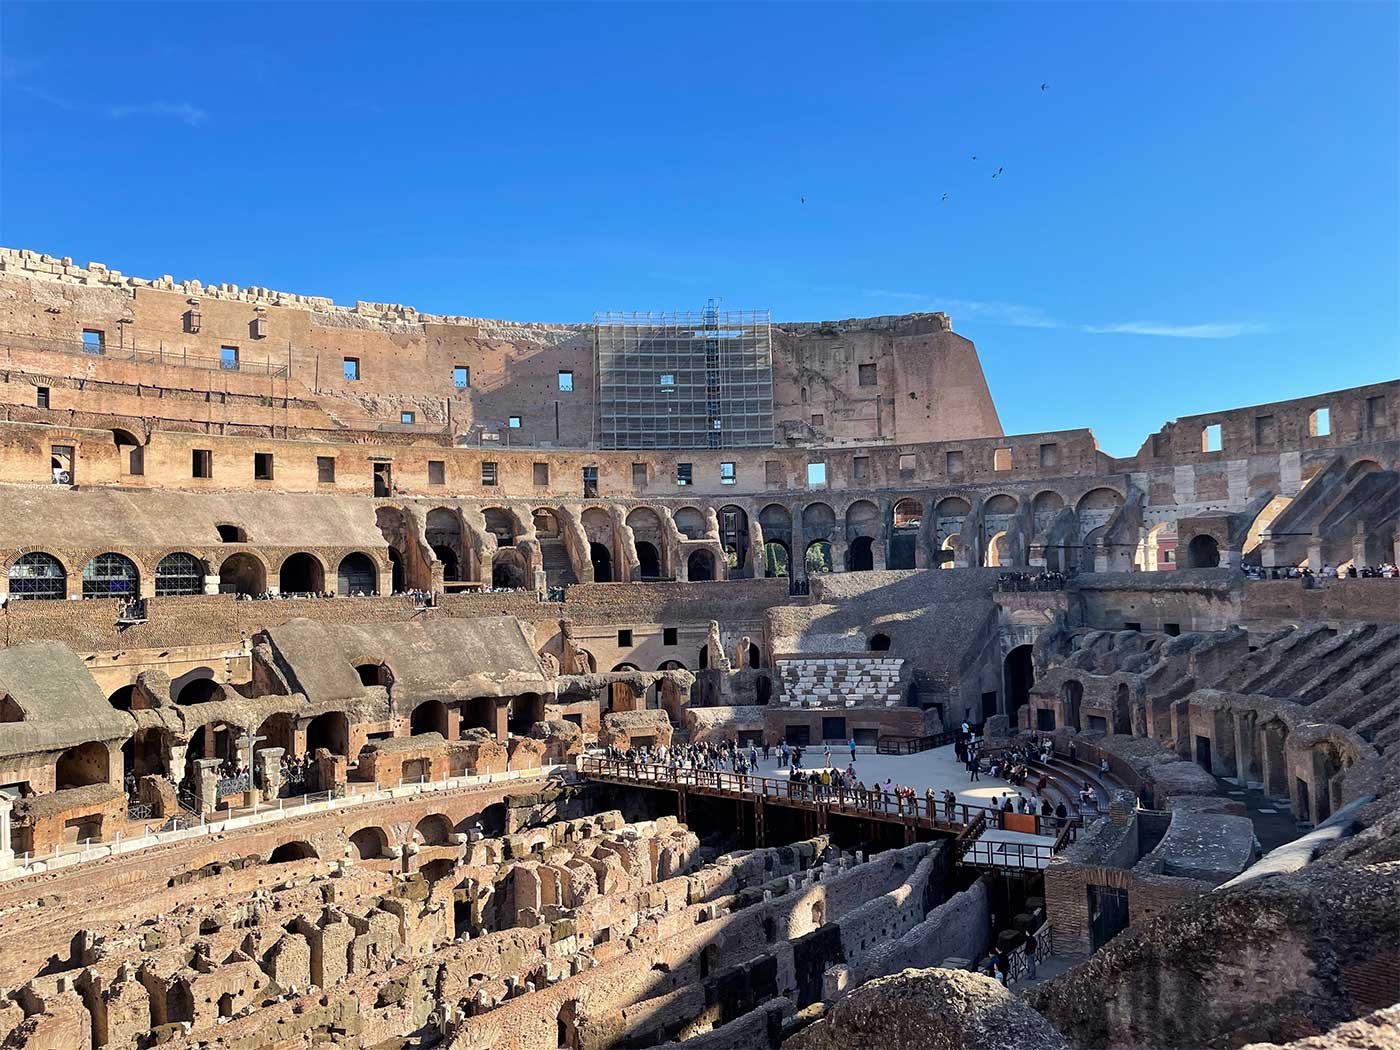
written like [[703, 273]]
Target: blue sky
[[1201, 211]]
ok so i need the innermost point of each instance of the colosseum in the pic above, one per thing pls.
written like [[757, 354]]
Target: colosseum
[[378, 679]]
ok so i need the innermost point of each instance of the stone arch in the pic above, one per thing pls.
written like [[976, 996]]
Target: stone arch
[[1018, 675], [144, 754], [301, 573], [649, 535], [700, 566], [435, 829], [370, 842], [734, 535], [1095, 508], [862, 519], [860, 555], [1360, 467], [179, 573], [777, 560], [290, 852], [121, 698], [648, 560], [1149, 552], [443, 531], [111, 575], [525, 710], [1203, 552], [478, 713], [879, 642], [82, 766], [331, 731], [949, 515], [1044, 508], [818, 521], [690, 522], [904, 539], [948, 548], [509, 569], [243, 572], [278, 730], [356, 574], [601, 558], [38, 575], [998, 550], [546, 523], [817, 559], [196, 687], [430, 716], [373, 671], [500, 523]]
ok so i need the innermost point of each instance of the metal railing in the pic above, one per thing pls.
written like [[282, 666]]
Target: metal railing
[[909, 745], [840, 799], [1017, 856]]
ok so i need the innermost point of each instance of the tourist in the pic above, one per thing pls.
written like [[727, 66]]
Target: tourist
[[1002, 959], [972, 768], [1031, 947], [853, 750]]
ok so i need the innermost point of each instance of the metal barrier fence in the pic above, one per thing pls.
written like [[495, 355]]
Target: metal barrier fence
[[909, 745]]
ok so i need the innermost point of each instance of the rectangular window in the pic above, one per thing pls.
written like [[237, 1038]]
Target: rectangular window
[[1210, 438], [566, 381], [202, 463], [1375, 411], [860, 468], [513, 422], [668, 380], [816, 475], [772, 472], [1001, 459], [590, 482], [262, 466], [136, 460], [1265, 432], [1320, 423], [437, 472], [1050, 455], [639, 475], [955, 463], [43, 397], [624, 638], [541, 475], [1161, 446], [94, 341], [325, 470], [866, 374], [668, 636], [383, 480], [488, 474], [61, 459], [727, 475], [818, 419], [228, 358], [907, 462], [352, 369], [461, 377], [683, 474], [407, 417]]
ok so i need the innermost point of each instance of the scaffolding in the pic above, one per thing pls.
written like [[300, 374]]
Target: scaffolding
[[684, 380]]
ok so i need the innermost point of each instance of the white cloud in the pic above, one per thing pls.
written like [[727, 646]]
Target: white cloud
[[1209, 330], [182, 111]]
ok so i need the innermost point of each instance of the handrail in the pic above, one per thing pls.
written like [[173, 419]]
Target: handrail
[[909, 745], [843, 799]]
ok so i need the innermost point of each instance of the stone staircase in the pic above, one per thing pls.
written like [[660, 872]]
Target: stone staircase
[[853, 681], [558, 569]]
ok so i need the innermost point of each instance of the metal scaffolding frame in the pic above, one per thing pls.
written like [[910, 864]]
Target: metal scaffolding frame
[[684, 379]]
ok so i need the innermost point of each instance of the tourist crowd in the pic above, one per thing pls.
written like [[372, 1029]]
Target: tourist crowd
[[1032, 581], [1384, 571]]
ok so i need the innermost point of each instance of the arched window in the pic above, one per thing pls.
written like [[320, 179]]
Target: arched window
[[111, 576], [1203, 552], [356, 575], [879, 643], [179, 573], [38, 576]]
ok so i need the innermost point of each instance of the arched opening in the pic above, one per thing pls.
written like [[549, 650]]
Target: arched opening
[[501, 524], [434, 830], [997, 551], [429, 717], [375, 672], [904, 540], [734, 536], [121, 698], [211, 740], [396, 575], [508, 570], [144, 754], [38, 576], [356, 575], [1096, 508], [1019, 676], [330, 731], [292, 851], [370, 843], [775, 559], [755, 656], [602, 563], [451, 571], [860, 555], [648, 561], [493, 819], [620, 693], [690, 522], [478, 713], [1203, 552], [199, 690], [763, 690], [525, 710], [242, 573], [231, 533], [277, 730], [948, 550], [443, 530], [437, 870], [818, 559], [82, 765], [1072, 695], [111, 576], [546, 524], [818, 522], [879, 643], [178, 574], [301, 574], [1122, 710], [700, 566], [704, 659]]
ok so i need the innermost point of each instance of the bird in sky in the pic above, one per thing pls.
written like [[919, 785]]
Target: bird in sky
[[802, 199], [1044, 87], [997, 172], [974, 156], [945, 196]]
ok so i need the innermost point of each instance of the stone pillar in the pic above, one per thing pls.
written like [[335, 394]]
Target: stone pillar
[[267, 768], [331, 771], [160, 793], [502, 719], [206, 783], [797, 557], [7, 852]]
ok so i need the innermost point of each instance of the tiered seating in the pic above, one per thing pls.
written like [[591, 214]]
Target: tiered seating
[[837, 681]]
